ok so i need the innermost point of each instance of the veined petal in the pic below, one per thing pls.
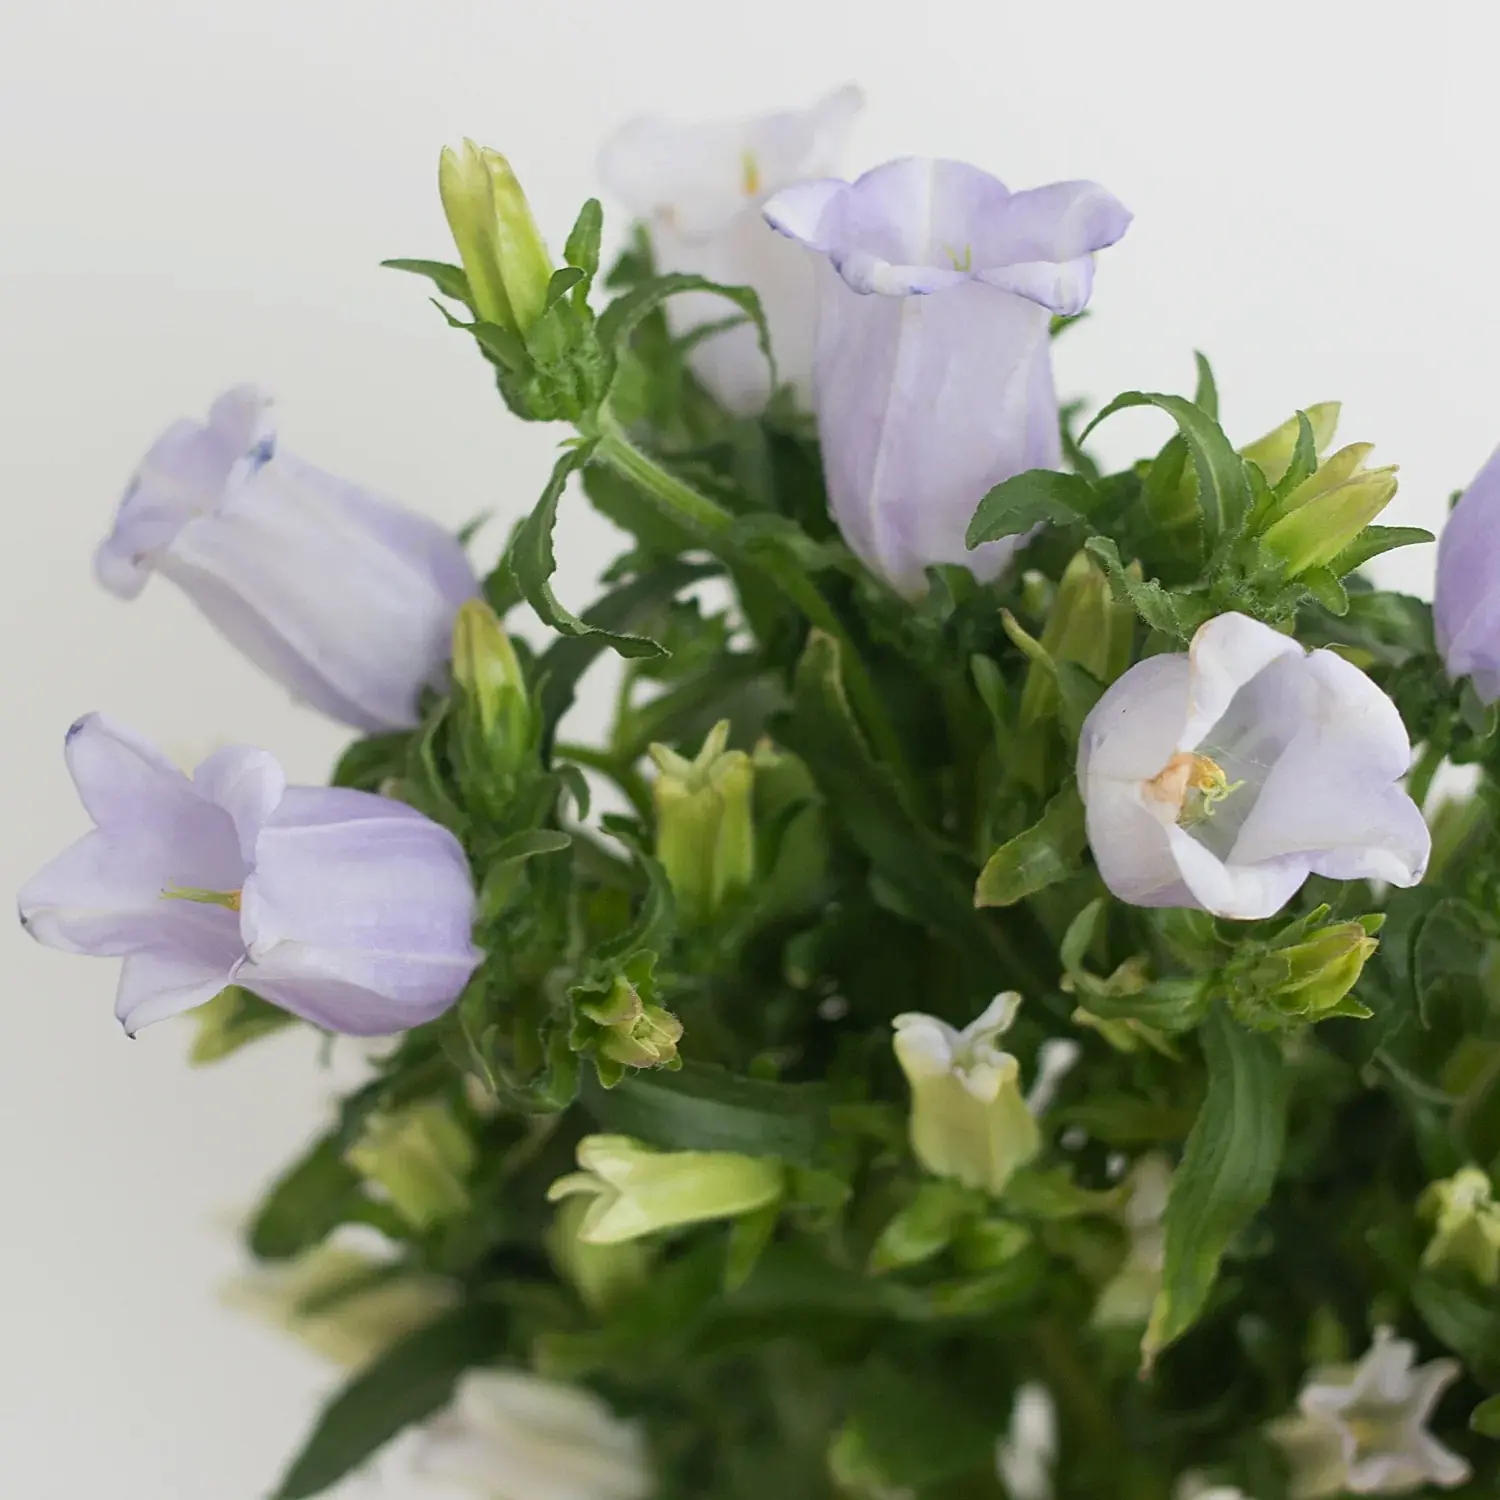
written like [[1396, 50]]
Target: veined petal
[[1062, 222], [1061, 287], [160, 982], [119, 774], [248, 784]]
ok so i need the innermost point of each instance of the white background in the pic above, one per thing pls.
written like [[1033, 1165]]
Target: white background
[[194, 192]]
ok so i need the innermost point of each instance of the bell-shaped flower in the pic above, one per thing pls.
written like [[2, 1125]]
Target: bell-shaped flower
[[1130, 1294], [969, 1121], [636, 1190], [1222, 777], [345, 599], [1466, 603], [701, 188], [347, 909], [932, 370], [1362, 1429], [509, 1435]]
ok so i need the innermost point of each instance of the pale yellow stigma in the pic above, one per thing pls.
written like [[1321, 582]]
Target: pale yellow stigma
[[230, 900], [1184, 775], [750, 174], [964, 262]]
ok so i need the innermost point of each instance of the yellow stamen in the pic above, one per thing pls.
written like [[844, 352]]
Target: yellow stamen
[[749, 174], [964, 262], [1187, 773], [227, 899]]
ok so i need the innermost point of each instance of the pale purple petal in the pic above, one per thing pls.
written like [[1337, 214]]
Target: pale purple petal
[[248, 784], [1064, 221], [160, 982], [119, 774], [1245, 892], [1132, 846], [1132, 731], [1466, 604], [1225, 654]]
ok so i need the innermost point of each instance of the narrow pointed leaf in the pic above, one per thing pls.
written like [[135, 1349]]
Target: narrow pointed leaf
[[449, 280]]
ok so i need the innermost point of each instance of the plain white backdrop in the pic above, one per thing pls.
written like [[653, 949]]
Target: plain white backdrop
[[194, 193]]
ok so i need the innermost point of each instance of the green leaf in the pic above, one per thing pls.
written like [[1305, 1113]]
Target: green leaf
[[311, 1199], [1045, 853], [705, 1108], [449, 280], [1172, 614], [1206, 394], [231, 1019], [1228, 1169], [1223, 486], [406, 1384], [582, 247], [1027, 500], [1374, 540], [533, 562], [1304, 463], [369, 762], [1485, 1418], [867, 801], [621, 318], [564, 279]]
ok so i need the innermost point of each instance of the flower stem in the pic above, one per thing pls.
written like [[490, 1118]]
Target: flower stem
[[713, 525]]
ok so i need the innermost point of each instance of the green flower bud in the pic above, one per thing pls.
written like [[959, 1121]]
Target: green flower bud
[[635, 1190], [421, 1157], [1326, 967], [1087, 625], [501, 248], [1272, 454], [969, 1121], [1466, 1219], [1329, 509], [632, 1029], [495, 720], [340, 1304], [603, 1275], [705, 831]]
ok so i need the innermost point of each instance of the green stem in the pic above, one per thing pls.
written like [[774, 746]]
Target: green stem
[[625, 776], [1082, 1403], [713, 524]]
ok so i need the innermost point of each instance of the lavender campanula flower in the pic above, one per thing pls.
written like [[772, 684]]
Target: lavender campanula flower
[[700, 188], [344, 598], [1222, 777], [932, 370], [347, 909], [1466, 605]]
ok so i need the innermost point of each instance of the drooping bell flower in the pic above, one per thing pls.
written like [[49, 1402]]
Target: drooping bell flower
[[1466, 603], [932, 371], [347, 909], [1222, 777], [347, 600], [510, 1435], [1362, 1429], [700, 188]]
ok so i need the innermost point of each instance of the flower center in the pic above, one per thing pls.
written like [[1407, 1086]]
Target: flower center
[[964, 262], [1192, 786], [1376, 1427], [230, 900]]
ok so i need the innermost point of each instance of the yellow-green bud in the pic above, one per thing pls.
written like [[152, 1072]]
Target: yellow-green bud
[[1325, 968], [969, 1121], [503, 254], [496, 722], [1466, 1230], [705, 830], [1085, 625], [337, 1303], [1272, 454], [1329, 509], [421, 1157], [603, 1275], [634, 1190], [636, 1032]]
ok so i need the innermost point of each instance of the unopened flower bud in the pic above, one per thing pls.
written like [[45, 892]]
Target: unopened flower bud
[[1086, 625], [1466, 1230], [498, 241], [1272, 454], [1329, 509], [969, 1121], [635, 1190], [601, 1274], [496, 724], [705, 832], [633, 1030], [421, 1157], [1324, 968]]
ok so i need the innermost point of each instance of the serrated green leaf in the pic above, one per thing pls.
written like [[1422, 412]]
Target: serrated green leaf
[[1206, 393], [1027, 500], [369, 762], [1304, 463], [1223, 487], [1045, 853], [705, 1108], [1168, 613], [582, 247], [1374, 540], [406, 1384], [1228, 1169], [450, 280], [563, 280], [533, 562]]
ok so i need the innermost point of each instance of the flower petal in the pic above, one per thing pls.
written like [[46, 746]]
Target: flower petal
[[165, 981], [248, 784], [1245, 892], [1225, 654], [1466, 603], [119, 774], [1062, 222], [1132, 731]]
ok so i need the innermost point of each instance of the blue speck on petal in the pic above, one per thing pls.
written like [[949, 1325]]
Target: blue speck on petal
[[74, 728], [263, 452]]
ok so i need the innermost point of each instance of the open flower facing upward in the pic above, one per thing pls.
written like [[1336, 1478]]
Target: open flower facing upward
[[345, 599], [1363, 1428], [932, 373], [968, 1118], [1222, 777], [513, 1436], [1466, 601], [700, 188], [347, 909]]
